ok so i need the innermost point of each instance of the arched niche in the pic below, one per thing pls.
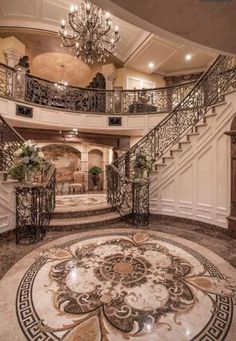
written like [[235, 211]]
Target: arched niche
[[67, 160], [95, 158]]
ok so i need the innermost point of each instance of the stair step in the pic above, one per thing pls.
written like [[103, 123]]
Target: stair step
[[184, 142], [159, 165], [176, 150], [65, 213], [82, 222], [168, 158], [193, 134], [213, 114], [2, 175], [201, 125], [10, 181]]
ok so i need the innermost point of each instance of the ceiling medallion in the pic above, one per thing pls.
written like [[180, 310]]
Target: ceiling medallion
[[89, 32]]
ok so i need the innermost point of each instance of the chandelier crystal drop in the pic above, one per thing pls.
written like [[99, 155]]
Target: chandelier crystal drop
[[61, 85], [89, 32]]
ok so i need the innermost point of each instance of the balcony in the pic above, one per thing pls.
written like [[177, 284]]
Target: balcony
[[20, 86]]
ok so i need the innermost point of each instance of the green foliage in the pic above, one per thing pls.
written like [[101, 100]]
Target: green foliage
[[95, 170], [142, 162], [17, 172]]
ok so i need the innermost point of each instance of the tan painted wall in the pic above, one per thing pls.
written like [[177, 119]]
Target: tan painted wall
[[2, 57], [124, 73]]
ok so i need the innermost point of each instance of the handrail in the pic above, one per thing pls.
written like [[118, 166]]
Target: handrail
[[17, 84], [208, 91]]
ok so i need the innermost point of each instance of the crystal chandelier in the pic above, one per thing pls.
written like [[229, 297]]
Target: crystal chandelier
[[61, 86], [88, 31]]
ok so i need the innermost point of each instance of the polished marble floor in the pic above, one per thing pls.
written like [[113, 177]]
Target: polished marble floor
[[118, 284]]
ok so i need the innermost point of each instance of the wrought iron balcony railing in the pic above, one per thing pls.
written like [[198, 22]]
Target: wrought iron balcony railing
[[16, 84], [35, 203], [131, 198]]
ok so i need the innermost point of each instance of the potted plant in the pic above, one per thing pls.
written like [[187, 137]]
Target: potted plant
[[95, 171], [29, 160], [142, 163]]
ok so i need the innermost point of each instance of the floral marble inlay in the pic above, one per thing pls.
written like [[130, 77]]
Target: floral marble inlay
[[120, 286], [81, 202]]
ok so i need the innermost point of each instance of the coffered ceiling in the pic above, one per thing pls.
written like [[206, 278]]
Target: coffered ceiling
[[136, 49]]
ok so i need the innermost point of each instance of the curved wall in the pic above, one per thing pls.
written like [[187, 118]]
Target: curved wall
[[133, 124], [196, 184]]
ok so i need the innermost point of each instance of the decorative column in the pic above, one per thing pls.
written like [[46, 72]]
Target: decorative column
[[84, 164], [12, 56], [19, 86], [109, 72], [12, 59], [107, 156]]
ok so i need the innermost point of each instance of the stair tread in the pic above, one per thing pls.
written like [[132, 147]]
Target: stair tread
[[10, 181], [84, 220], [193, 134], [201, 124], [69, 209], [176, 150], [160, 164], [185, 142]]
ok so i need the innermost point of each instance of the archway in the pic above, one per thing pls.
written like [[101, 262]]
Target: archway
[[67, 160], [95, 158]]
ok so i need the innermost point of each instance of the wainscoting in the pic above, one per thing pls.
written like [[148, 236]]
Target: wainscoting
[[196, 183]]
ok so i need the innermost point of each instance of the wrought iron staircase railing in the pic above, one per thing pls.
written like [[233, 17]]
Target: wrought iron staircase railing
[[131, 198], [34, 203]]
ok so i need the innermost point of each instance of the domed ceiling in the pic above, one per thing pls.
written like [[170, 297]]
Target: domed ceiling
[[49, 66]]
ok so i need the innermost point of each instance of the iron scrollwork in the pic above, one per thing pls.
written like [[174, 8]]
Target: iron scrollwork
[[208, 91], [34, 206]]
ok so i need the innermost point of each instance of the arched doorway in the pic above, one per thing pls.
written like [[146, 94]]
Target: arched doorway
[[67, 160], [95, 158]]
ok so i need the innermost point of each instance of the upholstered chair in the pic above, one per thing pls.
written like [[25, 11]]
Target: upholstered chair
[[78, 182]]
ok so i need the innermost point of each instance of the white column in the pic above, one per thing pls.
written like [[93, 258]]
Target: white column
[[19, 86], [12, 56], [109, 72], [12, 59], [110, 80], [105, 163], [84, 164]]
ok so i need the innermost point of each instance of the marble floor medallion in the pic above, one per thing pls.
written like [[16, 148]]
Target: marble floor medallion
[[121, 285], [80, 201]]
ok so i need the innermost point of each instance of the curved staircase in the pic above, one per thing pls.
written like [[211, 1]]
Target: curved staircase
[[129, 195]]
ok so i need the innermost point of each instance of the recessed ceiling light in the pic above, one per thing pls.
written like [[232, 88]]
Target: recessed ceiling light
[[151, 65], [188, 56]]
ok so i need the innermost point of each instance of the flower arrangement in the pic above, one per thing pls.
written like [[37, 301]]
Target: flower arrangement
[[29, 159], [142, 162]]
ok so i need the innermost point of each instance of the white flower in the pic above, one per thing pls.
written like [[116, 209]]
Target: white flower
[[28, 143], [41, 155], [25, 160], [18, 152]]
